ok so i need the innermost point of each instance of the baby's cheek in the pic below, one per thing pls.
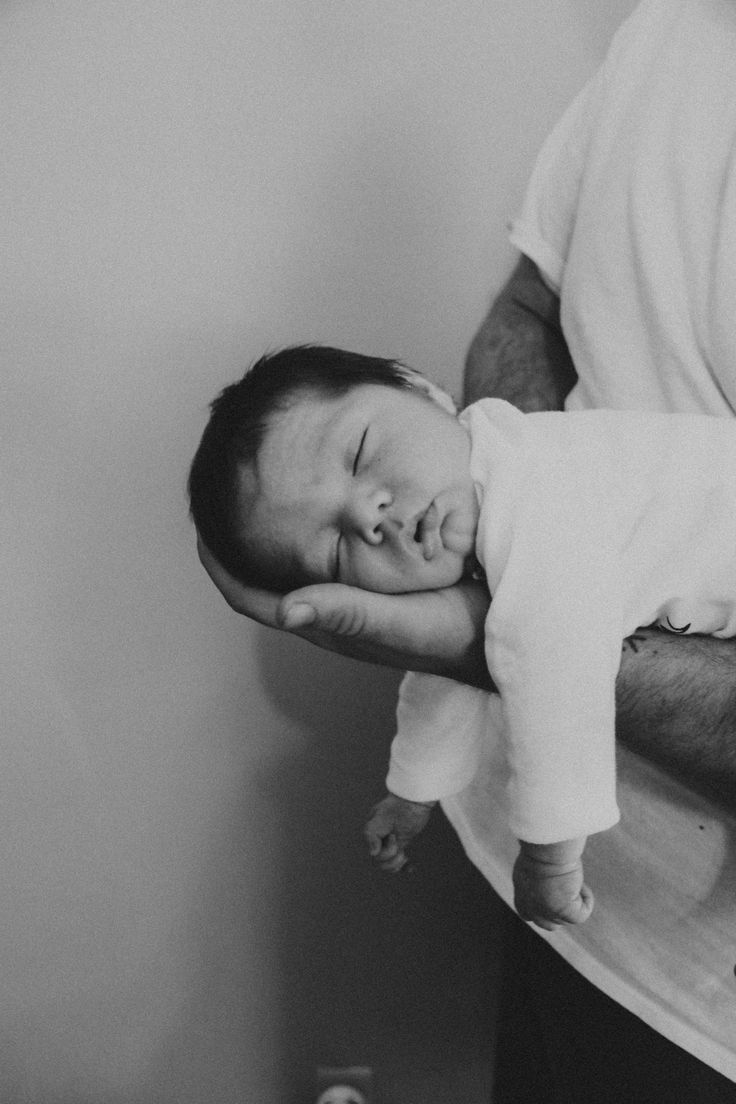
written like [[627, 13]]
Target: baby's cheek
[[443, 571], [388, 571]]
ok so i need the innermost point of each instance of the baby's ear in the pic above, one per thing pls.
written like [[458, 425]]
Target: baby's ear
[[431, 390]]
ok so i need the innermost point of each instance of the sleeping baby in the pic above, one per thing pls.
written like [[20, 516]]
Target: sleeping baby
[[323, 465]]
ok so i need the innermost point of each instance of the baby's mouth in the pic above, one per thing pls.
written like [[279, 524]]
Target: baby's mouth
[[427, 532]]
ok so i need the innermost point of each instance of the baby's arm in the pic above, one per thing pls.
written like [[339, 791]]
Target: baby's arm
[[435, 753], [440, 729], [392, 824], [548, 884]]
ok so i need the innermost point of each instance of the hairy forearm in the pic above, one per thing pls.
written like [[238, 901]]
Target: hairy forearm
[[519, 352], [676, 704]]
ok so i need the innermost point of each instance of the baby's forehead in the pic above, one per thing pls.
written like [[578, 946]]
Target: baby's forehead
[[301, 428]]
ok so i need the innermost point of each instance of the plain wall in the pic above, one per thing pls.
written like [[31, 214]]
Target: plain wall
[[183, 185]]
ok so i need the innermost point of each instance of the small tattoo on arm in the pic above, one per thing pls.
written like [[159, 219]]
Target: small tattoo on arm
[[682, 629], [631, 643]]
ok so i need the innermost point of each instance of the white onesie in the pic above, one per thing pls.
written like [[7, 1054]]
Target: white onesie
[[592, 523]]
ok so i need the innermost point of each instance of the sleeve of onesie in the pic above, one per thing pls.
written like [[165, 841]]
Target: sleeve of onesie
[[553, 644], [440, 728]]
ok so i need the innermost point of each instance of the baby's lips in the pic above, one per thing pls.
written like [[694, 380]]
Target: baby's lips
[[429, 532]]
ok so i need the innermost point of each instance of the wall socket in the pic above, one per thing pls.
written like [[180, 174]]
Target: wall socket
[[344, 1085]]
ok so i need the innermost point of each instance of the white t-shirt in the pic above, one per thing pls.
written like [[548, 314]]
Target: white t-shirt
[[631, 213]]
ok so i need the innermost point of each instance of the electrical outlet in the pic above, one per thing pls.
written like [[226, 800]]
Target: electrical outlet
[[344, 1085]]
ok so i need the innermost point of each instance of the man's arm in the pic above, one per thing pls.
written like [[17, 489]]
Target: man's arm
[[519, 353], [676, 705]]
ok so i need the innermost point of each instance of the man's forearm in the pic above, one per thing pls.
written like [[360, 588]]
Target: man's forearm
[[519, 353], [676, 704]]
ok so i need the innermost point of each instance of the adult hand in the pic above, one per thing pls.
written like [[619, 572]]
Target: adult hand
[[440, 632]]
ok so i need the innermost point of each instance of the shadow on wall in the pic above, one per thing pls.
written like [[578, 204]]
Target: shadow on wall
[[395, 972]]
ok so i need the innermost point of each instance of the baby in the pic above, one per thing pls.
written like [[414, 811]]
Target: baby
[[322, 465]]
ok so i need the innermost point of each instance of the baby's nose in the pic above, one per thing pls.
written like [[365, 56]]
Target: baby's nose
[[371, 516]]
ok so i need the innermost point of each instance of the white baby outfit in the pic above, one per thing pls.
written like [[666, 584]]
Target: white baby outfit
[[592, 524]]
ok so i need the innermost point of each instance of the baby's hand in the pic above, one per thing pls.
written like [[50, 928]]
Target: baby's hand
[[392, 824], [548, 884]]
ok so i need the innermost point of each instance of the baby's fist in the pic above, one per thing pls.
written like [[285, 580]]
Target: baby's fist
[[551, 894], [391, 826]]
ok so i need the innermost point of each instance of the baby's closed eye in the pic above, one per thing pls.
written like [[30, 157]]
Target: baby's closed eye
[[356, 461]]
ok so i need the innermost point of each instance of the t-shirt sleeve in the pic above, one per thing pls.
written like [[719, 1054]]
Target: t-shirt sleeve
[[543, 229], [438, 744]]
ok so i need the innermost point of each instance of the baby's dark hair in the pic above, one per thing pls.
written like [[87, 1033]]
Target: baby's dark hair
[[239, 419]]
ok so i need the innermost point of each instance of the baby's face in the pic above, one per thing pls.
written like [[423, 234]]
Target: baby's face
[[371, 489]]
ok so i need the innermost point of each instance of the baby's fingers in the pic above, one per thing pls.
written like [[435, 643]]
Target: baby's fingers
[[394, 862], [377, 829], [543, 923], [576, 911], [389, 855], [582, 907], [530, 908]]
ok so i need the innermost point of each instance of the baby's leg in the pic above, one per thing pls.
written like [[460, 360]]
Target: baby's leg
[[548, 884]]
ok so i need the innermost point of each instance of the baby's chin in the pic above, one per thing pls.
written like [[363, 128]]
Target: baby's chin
[[414, 583], [466, 567], [453, 570]]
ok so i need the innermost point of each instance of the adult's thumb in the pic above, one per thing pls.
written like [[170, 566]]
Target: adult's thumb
[[329, 607]]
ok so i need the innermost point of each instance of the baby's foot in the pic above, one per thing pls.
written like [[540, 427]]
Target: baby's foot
[[551, 893]]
